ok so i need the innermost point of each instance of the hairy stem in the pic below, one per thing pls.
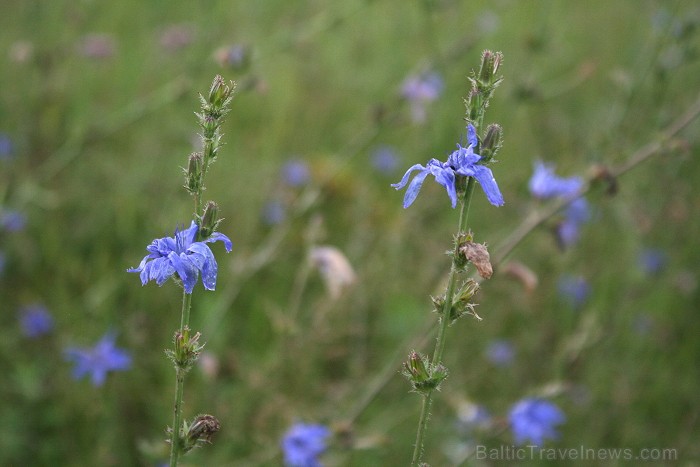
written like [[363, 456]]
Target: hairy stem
[[444, 324], [175, 439]]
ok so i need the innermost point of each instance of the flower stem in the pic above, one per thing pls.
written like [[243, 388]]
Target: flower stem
[[175, 439], [444, 324]]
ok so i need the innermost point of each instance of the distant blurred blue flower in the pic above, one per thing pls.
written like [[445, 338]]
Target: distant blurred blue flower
[[6, 147], [545, 184], [295, 173], [303, 443], [574, 289], [35, 321], [274, 212], [652, 261], [463, 161], [13, 221], [535, 419], [385, 160], [182, 255], [99, 360], [420, 90], [472, 416], [234, 56], [500, 352]]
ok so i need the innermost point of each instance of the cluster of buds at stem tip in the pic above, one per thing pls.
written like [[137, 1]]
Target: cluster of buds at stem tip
[[483, 84], [186, 351], [423, 375], [210, 220]]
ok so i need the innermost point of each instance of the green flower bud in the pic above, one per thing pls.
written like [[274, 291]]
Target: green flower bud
[[492, 142], [193, 174], [490, 63], [210, 220]]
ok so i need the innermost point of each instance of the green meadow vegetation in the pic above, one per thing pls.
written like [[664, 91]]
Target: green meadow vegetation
[[329, 283]]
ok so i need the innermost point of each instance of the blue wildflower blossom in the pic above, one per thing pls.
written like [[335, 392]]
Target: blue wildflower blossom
[[35, 321], [500, 352], [99, 360], [303, 443], [464, 162], [575, 290], [13, 221], [6, 147], [535, 419], [420, 90], [182, 255], [545, 184], [385, 160], [296, 173], [652, 261]]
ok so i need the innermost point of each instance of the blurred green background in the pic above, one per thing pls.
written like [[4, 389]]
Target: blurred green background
[[96, 116]]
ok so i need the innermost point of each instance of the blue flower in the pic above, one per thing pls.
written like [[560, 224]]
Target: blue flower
[[295, 173], [385, 160], [420, 90], [35, 321], [182, 255], [99, 360], [13, 221], [464, 162], [500, 352], [302, 444], [6, 147], [574, 290], [652, 261], [535, 419], [545, 184]]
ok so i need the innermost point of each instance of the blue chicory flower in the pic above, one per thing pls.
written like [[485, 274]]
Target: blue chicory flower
[[500, 352], [6, 147], [652, 261], [295, 173], [535, 419], [13, 221], [464, 162], [303, 443], [385, 160], [182, 255], [545, 184], [99, 360], [419, 90], [574, 289], [35, 321]]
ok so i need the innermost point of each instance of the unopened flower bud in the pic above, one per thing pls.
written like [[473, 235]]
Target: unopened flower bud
[[490, 63], [210, 220], [193, 174], [415, 367], [219, 92], [492, 142]]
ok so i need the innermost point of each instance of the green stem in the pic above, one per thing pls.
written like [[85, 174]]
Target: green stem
[[175, 440], [444, 324]]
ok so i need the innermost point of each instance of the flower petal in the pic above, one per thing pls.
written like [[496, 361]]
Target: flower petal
[[471, 136], [488, 183], [216, 236], [414, 187], [206, 264], [404, 180], [446, 178]]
